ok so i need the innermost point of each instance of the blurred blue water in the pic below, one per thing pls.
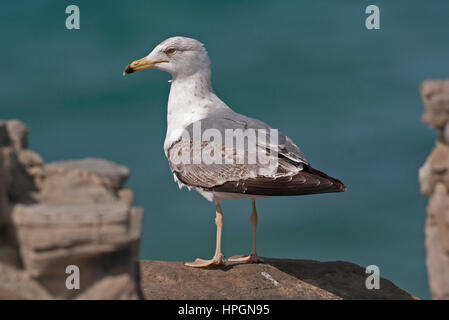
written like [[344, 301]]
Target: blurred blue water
[[348, 97]]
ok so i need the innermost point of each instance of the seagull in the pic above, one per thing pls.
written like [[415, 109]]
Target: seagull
[[194, 111]]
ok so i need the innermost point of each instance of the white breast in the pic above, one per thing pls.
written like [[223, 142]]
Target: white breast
[[190, 100]]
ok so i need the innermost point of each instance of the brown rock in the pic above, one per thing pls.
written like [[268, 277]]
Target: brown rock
[[434, 181], [79, 219], [15, 284], [273, 279], [22, 168], [32, 165], [23, 172], [50, 233], [9, 255], [438, 213], [435, 95], [101, 239], [66, 213], [121, 287], [74, 186], [437, 242], [18, 133], [112, 175], [435, 169], [4, 136], [44, 219], [6, 294], [126, 195], [4, 206]]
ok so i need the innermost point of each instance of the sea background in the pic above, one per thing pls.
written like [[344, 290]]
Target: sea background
[[346, 95]]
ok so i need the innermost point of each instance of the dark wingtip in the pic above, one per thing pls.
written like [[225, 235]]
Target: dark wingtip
[[338, 185]]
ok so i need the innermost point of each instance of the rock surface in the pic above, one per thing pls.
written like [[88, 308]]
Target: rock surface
[[112, 175], [435, 95], [434, 180], [15, 284], [273, 279], [64, 213]]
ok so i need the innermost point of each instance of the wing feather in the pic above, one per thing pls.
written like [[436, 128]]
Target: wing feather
[[286, 178]]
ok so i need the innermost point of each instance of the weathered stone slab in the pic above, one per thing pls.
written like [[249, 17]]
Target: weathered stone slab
[[113, 175], [273, 279], [434, 180]]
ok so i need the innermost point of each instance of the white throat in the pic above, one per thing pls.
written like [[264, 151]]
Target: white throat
[[191, 99]]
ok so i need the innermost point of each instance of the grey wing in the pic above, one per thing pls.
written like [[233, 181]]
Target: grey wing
[[229, 119], [286, 178], [208, 174], [287, 172], [285, 145]]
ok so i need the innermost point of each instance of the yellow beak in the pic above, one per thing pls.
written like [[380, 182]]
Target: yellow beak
[[140, 64]]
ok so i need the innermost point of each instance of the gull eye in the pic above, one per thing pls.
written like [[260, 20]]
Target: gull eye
[[170, 51]]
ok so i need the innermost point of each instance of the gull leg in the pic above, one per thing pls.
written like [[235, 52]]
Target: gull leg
[[253, 256], [218, 258]]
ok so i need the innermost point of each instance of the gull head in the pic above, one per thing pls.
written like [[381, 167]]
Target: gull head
[[179, 56]]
